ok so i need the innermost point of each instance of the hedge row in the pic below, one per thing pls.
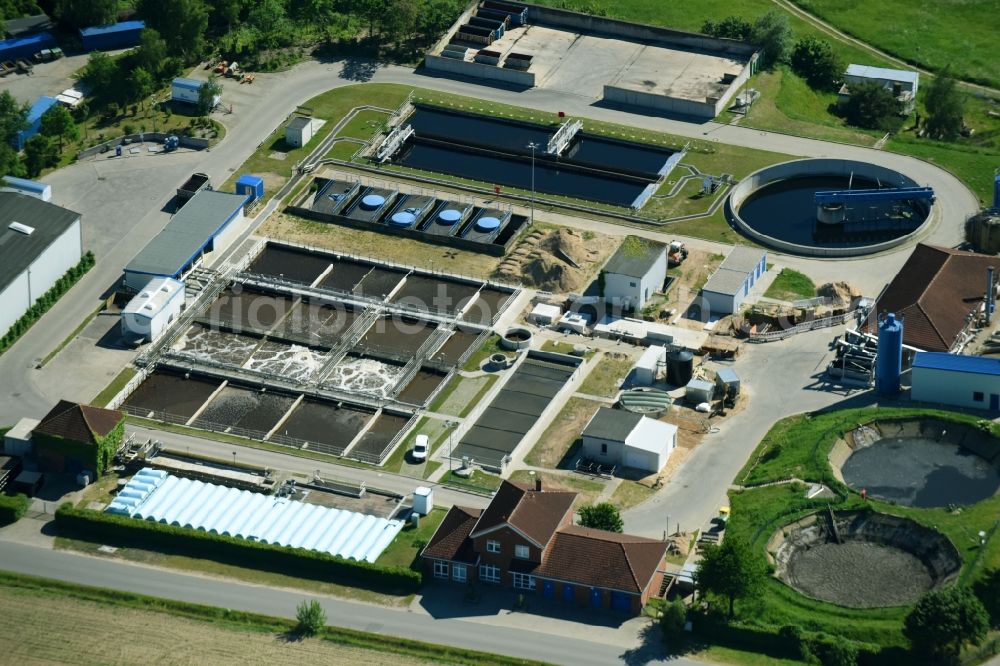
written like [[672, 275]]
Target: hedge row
[[126, 532], [46, 301], [12, 508]]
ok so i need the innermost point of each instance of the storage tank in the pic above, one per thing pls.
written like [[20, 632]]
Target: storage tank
[[680, 367], [889, 359]]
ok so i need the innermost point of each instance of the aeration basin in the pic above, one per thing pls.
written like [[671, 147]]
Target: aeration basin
[[829, 207]]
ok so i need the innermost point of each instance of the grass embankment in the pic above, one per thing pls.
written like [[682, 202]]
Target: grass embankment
[[462, 394], [405, 548], [797, 447], [791, 285], [82, 621], [489, 347], [479, 481], [399, 461], [607, 376], [116, 385], [560, 442]]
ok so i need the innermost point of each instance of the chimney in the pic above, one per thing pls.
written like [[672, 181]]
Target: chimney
[[538, 481]]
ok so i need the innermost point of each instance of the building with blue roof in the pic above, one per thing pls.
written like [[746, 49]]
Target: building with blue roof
[[27, 46], [35, 113], [115, 36], [954, 379]]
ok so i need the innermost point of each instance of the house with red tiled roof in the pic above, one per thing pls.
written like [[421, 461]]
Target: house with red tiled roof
[[77, 438], [526, 540], [937, 294]]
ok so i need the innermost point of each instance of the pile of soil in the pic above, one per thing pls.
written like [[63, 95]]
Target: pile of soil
[[843, 293], [567, 245], [560, 261], [679, 544]]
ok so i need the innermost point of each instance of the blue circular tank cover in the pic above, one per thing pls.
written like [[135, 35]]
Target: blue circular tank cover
[[449, 216], [403, 219], [487, 223], [372, 201]]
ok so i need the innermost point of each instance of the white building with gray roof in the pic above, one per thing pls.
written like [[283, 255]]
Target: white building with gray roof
[[730, 285], [635, 272], [621, 438]]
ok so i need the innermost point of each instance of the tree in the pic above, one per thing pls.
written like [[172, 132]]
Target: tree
[[942, 621], [945, 106], [40, 152], [181, 23], [224, 13], [58, 122], [268, 17], [207, 94], [603, 516], [151, 53], [773, 32], [13, 117], [673, 619], [814, 60], [873, 106], [987, 589], [311, 618], [435, 17], [730, 571], [140, 84], [101, 75], [731, 27], [400, 19], [85, 13]]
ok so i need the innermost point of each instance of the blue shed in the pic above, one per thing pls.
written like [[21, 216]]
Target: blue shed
[[115, 36], [25, 47], [250, 184], [38, 109]]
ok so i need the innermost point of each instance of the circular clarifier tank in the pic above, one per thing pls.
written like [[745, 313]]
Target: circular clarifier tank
[[403, 219], [449, 216], [487, 224], [372, 201], [778, 206]]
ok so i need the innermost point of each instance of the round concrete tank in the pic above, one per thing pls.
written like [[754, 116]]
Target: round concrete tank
[[516, 338], [889, 359], [680, 367]]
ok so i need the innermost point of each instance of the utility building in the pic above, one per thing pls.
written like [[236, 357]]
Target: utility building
[[618, 437], [731, 283], [153, 309], [952, 379], [188, 91], [636, 271], [39, 242], [901, 83]]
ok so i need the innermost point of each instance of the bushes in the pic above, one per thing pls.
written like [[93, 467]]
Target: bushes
[[132, 532], [12, 508], [311, 618], [46, 301]]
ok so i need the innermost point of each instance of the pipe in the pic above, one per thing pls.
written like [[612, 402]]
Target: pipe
[[990, 296]]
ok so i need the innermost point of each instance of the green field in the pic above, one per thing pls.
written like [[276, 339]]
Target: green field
[[791, 285], [960, 33], [797, 447]]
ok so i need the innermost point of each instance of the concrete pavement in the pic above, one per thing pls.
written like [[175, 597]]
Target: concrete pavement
[[453, 625]]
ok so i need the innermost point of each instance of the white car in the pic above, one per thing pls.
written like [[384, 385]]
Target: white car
[[420, 448]]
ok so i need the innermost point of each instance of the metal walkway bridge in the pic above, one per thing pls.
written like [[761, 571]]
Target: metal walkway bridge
[[885, 194]]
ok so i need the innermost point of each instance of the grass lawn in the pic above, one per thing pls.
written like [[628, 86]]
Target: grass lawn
[[480, 481], [246, 575], [717, 654], [398, 462], [563, 348], [342, 150], [630, 493], [383, 246], [407, 545], [587, 490], [930, 34], [116, 385], [791, 285], [798, 447], [489, 347], [462, 394], [556, 445], [609, 373], [364, 124]]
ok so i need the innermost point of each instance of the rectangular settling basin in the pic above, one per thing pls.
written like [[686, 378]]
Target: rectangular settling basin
[[246, 408], [289, 263], [378, 436], [434, 294], [395, 337], [166, 392], [324, 426]]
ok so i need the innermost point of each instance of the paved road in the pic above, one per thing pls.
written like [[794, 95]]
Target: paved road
[[128, 209], [404, 485], [448, 629]]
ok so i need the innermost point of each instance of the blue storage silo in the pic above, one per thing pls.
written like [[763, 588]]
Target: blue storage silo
[[889, 358], [115, 36], [250, 184], [35, 113]]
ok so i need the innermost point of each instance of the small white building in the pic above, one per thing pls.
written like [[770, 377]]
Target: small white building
[[953, 379], [618, 437], [153, 309], [544, 314], [188, 91], [301, 130], [17, 440], [635, 272], [649, 365], [729, 286], [903, 84]]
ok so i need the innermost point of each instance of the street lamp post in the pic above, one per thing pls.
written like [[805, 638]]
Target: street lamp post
[[533, 147], [234, 458], [450, 425]]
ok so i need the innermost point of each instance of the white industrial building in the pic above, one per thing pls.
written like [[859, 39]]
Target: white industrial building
[[39, 242], [301, 130], [903, 84], [544, 314], [153, 309], [649, 365], [188, 91], [618, 437], [17, 440], [952, 379], [208, 222], [730, 285], [636, 271]]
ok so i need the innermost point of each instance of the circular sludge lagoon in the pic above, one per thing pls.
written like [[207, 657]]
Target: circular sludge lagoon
[[862, 559], [828, 207], [922, 463]]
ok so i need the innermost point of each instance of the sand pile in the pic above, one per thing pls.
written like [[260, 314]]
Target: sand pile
[[559, 260], [841, 292]]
